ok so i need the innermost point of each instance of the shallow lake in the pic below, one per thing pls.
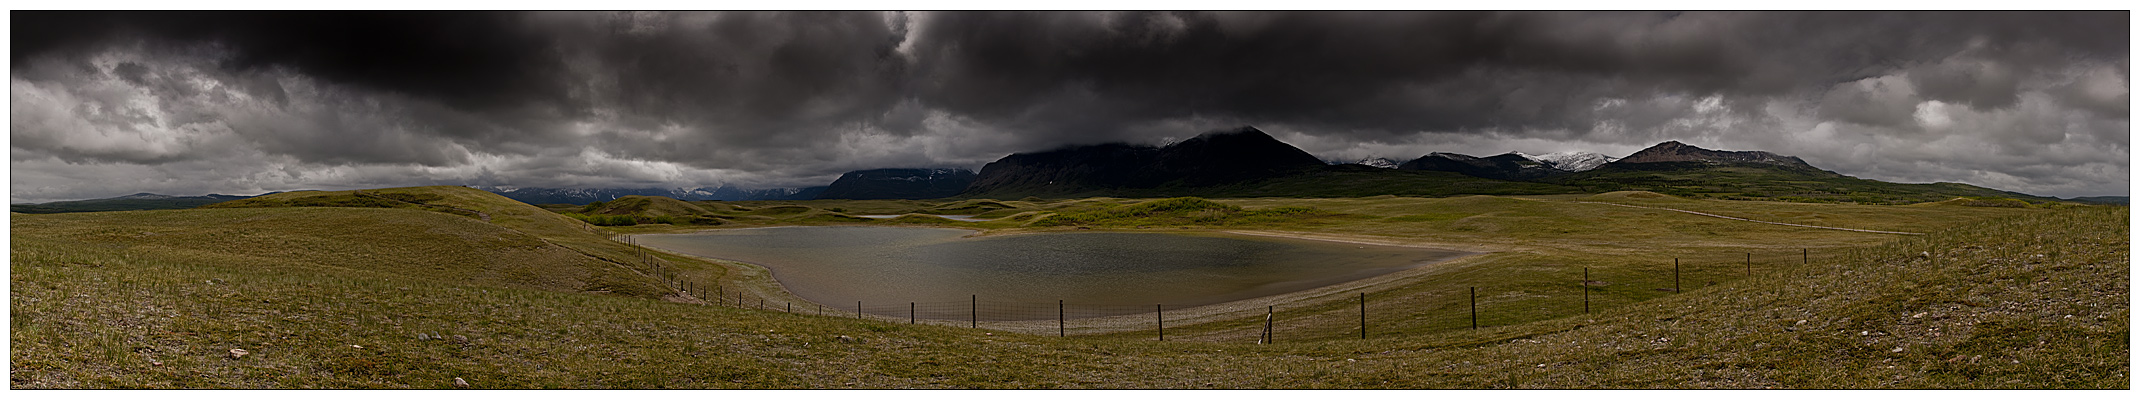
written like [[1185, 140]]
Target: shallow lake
[[884, 266]]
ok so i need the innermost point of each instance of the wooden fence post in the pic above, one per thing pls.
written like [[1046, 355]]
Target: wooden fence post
[[974, 310], [1675, 275], [1474, 307], [1363, 315], [1586, 290], [1160, 313], [1062, 326], [910, 312]]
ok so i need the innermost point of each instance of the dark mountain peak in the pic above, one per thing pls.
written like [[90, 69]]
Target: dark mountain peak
[[1243, 147], [1213, 158], [1452, 156], [899, 183], [1510, 166], [1674, 151], [1244, 132]]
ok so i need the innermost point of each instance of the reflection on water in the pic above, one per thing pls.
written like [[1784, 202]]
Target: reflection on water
[[887, 265]]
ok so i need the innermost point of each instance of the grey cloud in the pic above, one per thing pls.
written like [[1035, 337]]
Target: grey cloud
[[788, 99]]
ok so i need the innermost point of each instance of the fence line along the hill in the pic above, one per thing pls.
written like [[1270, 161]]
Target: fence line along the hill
[[1031, 317], [1755, 220]]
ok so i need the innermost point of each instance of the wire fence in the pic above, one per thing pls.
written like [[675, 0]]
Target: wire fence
[[1587, 289]]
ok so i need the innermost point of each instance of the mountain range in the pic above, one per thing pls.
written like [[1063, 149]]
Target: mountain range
[[1245, 162], [1377, 162], [899, 183], [1212, 159]]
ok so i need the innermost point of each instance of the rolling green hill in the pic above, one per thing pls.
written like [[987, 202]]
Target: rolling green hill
[[133, 202], [2030, 298], [1767, 182]]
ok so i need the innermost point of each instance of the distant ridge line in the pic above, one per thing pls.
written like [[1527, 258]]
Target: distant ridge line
[[1760, 221]]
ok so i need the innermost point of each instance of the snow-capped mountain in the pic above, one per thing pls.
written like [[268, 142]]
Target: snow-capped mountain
[[1571, 161], [1377, 162]]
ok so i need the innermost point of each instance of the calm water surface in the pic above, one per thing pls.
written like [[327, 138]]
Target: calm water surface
[[887, 265]]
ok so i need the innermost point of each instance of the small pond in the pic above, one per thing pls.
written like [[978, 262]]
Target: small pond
[[840, 265]]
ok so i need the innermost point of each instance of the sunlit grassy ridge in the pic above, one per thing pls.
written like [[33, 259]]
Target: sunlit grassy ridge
[[94, 307], [1178, 211], [592, 244]]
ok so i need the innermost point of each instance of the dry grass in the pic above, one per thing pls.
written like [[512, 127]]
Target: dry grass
[[1994, 297]]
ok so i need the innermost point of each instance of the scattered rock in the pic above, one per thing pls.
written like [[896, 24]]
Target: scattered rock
[[460, 339], [238, 353], [421, 336], [459, 383], [354, 346], [1896, 350], [847, 339], [156, 363], [1919, 315]]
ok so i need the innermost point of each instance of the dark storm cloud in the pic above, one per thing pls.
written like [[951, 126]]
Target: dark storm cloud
[[476, 60], [1405, 72], [2021, 101]]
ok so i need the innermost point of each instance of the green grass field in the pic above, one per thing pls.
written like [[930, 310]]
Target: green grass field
[[336, 297]]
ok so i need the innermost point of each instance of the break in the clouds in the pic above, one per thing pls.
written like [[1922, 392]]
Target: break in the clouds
[[110, 103]]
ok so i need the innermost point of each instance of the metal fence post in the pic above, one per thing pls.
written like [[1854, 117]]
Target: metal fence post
[[1586, 290], [1675, 275], [974, 310], [858, 309], [910, 312], [1062, 327], [1363, 315]]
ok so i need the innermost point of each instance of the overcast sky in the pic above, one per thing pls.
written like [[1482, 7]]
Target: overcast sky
[[189, 103]]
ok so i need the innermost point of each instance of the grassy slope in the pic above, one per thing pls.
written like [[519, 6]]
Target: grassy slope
[[1744, 182], [305, 316], [376, 242], [651, 206], [113, 205]]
